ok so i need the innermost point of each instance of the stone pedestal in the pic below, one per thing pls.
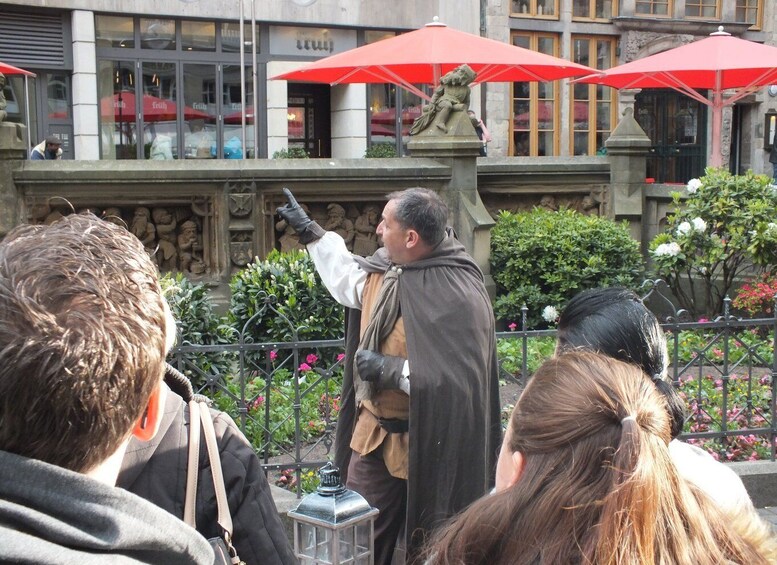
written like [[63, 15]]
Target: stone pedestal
[[13, 150], [459, 149], [627, 151]]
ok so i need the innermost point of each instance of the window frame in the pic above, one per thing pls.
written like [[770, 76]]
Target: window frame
[[534, 100], [591, 17], [700, 5], [592, 99], [533, 11], [759, 11], [653, 4]]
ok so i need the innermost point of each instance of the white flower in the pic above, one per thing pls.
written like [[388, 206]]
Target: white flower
[[693, 185], [550, 314], [699, 224], [771, 226], [667, 250], [684, 228]]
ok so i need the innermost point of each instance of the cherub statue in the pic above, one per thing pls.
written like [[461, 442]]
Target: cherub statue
[[451, 96]]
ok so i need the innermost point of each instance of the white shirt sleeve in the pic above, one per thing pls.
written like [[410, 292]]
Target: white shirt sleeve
[[342, 275]]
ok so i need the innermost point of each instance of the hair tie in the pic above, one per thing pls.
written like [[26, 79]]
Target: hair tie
[[657, 377], [629, 418]]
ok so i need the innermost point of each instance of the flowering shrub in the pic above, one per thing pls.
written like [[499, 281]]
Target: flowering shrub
[[757, 296], [542, 258], [724, 227], [748, 404]]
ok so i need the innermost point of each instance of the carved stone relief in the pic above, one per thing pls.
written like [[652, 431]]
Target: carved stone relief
[[356, 226], [241, 202], [171, 235]]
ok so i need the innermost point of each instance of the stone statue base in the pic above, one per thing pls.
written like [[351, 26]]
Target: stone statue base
[[13, 141], [460, 141]]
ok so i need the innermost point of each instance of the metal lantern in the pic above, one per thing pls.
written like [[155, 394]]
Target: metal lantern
[[334, 525]]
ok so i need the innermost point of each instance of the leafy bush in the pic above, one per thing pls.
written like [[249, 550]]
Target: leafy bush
[[543, 258], [291, 153], [510, 354], [725, 227], [289, 283], [381, 150], [198, 324]]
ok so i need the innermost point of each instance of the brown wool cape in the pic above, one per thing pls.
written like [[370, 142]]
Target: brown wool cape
[[455, 430]]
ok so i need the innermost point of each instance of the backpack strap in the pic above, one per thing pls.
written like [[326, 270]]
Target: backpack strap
[[193, 467], [199, 418]]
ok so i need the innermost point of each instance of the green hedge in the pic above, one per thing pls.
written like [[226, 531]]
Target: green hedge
[[543, 258]]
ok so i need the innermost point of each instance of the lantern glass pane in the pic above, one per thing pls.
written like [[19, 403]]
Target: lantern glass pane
[[346, 540], [324, 541], [307, 539], [363, 534]]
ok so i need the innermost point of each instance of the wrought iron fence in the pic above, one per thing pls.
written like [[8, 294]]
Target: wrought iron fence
[[284, 395]]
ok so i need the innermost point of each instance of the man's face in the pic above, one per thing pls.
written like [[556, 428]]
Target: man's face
[[53, 147], [394, 236]]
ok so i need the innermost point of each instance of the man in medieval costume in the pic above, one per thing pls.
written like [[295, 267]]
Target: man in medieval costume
[[419, 429]]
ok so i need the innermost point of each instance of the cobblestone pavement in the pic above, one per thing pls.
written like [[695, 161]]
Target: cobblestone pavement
[[770, 515]]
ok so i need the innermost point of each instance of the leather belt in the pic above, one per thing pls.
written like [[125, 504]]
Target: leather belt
[[394, 425]]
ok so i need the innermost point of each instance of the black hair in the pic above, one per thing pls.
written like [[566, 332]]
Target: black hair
[[616, 323], [422, 210]]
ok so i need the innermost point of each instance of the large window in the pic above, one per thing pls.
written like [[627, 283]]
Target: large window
[[594, 9], [535, 8], [702, 9], [593, 105], [750, 11], [170, 89], [653, 7], [535, 104]]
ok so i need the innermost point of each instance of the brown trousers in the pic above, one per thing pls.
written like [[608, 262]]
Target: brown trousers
[[367, 475]]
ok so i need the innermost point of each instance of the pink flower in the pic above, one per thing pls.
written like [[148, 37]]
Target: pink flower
[[703, 320], [512, 326], [311, 359], [257, 403], [273, 355], [340, 356], [304, 367]]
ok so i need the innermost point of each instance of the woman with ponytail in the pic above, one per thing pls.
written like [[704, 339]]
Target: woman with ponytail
[[585, 476]]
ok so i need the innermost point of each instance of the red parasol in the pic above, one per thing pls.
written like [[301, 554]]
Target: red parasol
[[424, 55], [7, 69], [717, 63]]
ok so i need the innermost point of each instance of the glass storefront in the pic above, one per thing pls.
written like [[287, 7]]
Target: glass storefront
[[170, 89]]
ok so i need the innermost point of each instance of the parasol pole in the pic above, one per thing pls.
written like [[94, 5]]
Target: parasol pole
[[716, 159], [253, 73], [242, 81], [27, 113]]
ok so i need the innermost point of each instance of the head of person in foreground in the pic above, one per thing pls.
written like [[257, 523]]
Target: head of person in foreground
[[584, 476], [82, 343]]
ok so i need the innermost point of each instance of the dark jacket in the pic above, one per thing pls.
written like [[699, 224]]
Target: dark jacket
[[54, 516], [455, 430], [156, 471]]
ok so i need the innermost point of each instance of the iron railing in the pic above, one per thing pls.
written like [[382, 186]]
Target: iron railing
[[289, 411]]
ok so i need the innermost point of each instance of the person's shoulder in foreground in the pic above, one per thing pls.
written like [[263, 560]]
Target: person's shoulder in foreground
[[82, 343]]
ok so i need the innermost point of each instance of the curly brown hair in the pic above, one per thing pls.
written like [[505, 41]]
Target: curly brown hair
[[82, 339]]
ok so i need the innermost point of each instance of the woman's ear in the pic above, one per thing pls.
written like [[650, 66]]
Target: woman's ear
[[149, 422], [518, 465]]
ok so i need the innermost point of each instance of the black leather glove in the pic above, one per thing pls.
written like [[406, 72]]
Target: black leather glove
[[307, 230], [383, 370]]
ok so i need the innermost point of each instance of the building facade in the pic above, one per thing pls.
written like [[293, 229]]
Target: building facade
[[167, 80]]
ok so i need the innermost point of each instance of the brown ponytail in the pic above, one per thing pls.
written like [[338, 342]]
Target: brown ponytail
[[598, 485]]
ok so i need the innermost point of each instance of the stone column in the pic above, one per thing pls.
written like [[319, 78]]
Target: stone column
[[459, 149], [627, 151], [13, 151]]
